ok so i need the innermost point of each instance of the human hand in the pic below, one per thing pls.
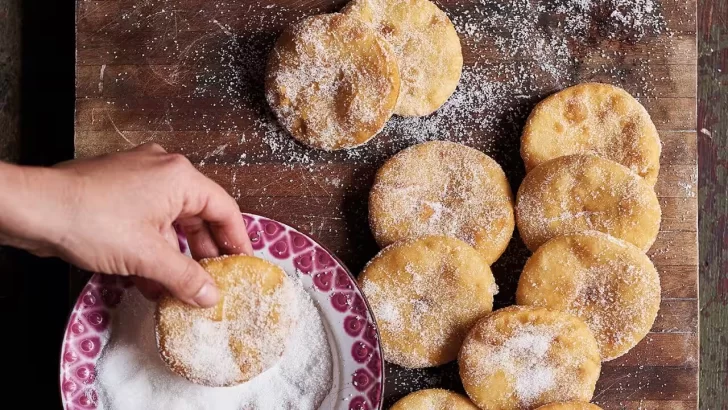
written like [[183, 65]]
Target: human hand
[[114, 214]]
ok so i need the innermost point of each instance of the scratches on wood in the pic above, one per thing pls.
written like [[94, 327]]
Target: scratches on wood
[[155, 66], [118, 131], [101, 78]]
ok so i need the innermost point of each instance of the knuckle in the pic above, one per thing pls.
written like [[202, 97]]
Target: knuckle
[[156, 147], [178, 161], [152, 146], [192, 227], [133, 267]]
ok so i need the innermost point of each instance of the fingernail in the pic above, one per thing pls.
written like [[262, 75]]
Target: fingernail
[[207, 296]]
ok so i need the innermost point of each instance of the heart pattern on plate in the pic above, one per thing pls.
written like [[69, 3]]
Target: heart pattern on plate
[[357, 354]]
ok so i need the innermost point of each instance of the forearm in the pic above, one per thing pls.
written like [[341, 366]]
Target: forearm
[[33, 207]]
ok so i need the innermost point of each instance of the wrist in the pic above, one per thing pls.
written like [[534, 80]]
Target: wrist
[[35, 209]]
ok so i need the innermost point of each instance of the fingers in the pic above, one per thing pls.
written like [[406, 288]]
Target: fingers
[[232, 236], [149, 147], [199, 238], [208, 201], [150, 289], [170, 235], [180, 275], [223, 218]]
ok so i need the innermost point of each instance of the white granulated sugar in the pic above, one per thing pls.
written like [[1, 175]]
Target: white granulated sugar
[[634, 19], [132, 376], [516, 53], [389, 314], [532, 343], [469, 112], [205, 348], [207, 345], [386, 312], [530, 384], [524, 358], [334, 182]]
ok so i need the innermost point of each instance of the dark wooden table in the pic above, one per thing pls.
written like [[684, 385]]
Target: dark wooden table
[[41, 299], [713, 199], [187, 74]]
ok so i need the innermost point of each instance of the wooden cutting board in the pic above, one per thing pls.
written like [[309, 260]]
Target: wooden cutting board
[[187, 75]]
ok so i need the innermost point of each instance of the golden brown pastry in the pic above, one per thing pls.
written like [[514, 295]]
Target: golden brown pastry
[[434, 399], [426, 45], [332, 81], [608, 283], [241, 337], [593, 118], [582, 192], [426, 294], [443, 188], [525, 357]]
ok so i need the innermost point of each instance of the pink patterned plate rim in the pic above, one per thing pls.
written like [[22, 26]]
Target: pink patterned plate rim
[[358, 363]]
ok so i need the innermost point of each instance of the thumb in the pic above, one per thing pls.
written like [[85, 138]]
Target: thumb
[[182, 276]]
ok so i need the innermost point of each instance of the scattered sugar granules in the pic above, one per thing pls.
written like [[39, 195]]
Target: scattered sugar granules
[[516, 52]]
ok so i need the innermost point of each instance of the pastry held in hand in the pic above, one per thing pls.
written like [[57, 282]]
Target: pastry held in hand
[[241, 337]]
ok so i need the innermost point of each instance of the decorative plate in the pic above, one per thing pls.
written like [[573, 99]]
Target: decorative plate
[[357, 358]]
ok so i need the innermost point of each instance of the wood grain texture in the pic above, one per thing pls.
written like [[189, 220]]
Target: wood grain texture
[[140, 77], [713, 199], [9, 81]]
